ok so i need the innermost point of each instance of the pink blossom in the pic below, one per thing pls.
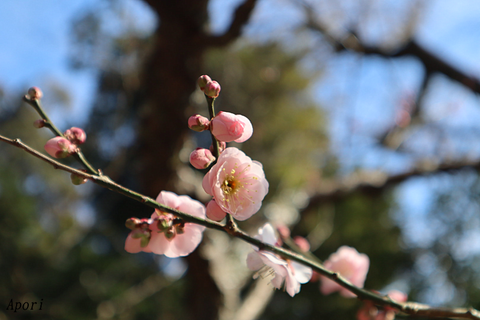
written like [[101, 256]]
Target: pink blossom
[[165, 234], [209, 87], [75, 135], [59, 147], [229, 127], [140, 235], [201, 158], [237, 184], [182, 239], [212, 89], [214, 212], [198, 123], [302, 243], [34, 93], [351, 265], [285, 272], [202, 81]]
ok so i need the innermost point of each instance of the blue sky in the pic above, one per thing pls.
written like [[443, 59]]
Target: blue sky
[[35, 42]]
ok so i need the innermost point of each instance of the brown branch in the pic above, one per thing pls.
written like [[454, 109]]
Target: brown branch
[[430, 61], [240, 18], [369, 182], [410, 308]]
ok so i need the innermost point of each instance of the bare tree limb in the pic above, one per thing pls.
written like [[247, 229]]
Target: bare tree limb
[[369, 182], [411, 308], [240, 18], [430, 61]]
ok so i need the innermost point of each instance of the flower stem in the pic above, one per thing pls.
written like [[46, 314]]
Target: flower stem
[[410, 308], [211, 111], [35, 103]]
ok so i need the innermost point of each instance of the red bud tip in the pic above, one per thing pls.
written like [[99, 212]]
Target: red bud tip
[[40, 123], [34, 93]]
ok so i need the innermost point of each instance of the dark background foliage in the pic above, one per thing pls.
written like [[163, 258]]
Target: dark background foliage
[[403, 188]]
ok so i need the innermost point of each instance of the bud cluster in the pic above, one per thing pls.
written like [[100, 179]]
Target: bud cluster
[[208, 86], [165, 234], [62, 147]]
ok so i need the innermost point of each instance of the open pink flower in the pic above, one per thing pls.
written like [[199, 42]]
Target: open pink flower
[[237, 184], [140, 235], [59, 147], [185, 238], [229, 127], [351, 265], [165, 234], [284, 271]]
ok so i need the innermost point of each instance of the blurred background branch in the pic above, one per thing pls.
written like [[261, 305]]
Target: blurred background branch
[[365, 117]]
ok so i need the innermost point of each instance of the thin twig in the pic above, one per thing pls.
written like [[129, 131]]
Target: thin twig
[[410, 308], [35, 103]]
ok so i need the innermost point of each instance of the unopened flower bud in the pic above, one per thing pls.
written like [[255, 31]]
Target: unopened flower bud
[[284, 231], [132, 223], [34, 93], [75, 135], [227, 127], [214, 212], [164, 223], [202, 81], [198, 123], [212, 89], [40, 123], [302, 243], [59, 147], [201, 158], [77, 179]]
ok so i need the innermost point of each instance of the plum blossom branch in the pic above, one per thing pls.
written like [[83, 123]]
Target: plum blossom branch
[[410, 308], [230, 183], [33, 100], [211, 112]]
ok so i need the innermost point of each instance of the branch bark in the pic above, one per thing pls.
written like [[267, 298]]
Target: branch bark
[[410, 308], [369, 182]]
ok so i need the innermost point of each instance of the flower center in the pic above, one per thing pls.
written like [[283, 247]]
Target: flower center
[[230, 184], [264, 272]]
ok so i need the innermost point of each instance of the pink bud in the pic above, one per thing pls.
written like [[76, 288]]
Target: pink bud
[[132, 223], [302, 243], [227, 127], [351, 265], [201, 158], [198, 123], [59, 147], [214, 212], [212, 89], [40, 123], [202, 81], [75, 135], [35, 93], [284, 231]]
